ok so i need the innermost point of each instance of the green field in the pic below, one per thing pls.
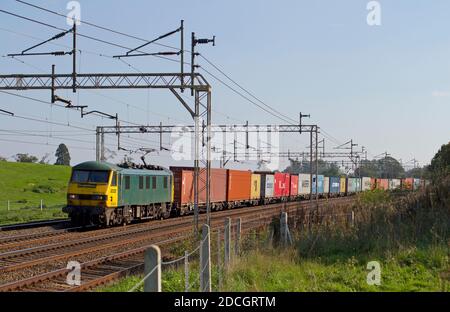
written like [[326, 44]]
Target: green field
[[24, 185]]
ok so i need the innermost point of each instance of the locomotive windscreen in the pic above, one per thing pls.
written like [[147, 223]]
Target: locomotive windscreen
[[94, 176]]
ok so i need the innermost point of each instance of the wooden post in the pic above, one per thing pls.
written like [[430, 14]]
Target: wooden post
[[186, 271], [152, 259], [227, 241], [353, 218], [238, 236], [8, 205], [41, 204], [205, 260]]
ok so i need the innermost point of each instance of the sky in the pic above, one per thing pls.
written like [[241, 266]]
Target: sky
[[387, 86]]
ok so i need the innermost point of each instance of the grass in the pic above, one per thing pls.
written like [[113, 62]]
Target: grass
[[408, 236], [25, 184]]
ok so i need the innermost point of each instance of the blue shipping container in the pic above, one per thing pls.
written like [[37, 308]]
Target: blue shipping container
[[335, 185], [319, 184]]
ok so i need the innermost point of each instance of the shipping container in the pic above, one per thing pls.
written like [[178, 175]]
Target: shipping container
[[304, 187], [382, 184], [373, 183], [335, 185], [319, 184], [184, 185], [394, 184], [267, 185], [366, 184], [407, 184], [416, 184], [238, 185], [326, 185], [255, 191], [293, 192], [282, 184], [343, 186], [352, 185]]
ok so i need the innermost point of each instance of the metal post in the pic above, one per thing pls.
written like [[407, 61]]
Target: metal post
[[182, 54], [196, 158], [317, 166], [208, 157], [152, 260], [311, 167], [41, 204], [238, 236], [97, 144], [205, 260], [160, 136], [74, 56], [8, 205], [186, 271], [102, 145], [219, 269], [227, 241]]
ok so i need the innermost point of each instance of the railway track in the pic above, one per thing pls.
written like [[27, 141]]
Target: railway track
[[108, 254], [34, 224]]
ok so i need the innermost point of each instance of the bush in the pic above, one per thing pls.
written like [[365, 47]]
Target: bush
[[44, 189]]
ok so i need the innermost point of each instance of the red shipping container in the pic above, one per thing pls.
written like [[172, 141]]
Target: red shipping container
[[407, 183], [382, 184], [184, 185], [238, 185], [373, 183], [282, 184], [294, 185]]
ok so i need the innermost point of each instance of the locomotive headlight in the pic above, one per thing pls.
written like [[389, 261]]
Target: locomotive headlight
[[98, 197], [72, 196]]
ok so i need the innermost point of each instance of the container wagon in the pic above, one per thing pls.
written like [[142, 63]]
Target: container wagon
[[382, 184], [238, 188], [304, 185], [319, 180], [407, 184], [394, 184], [334, 186], [293, 192], [343, 186], [184, 189], [326, 186], [366, 184], [267, 188], [255, 189], [416, 184], [282, 185]]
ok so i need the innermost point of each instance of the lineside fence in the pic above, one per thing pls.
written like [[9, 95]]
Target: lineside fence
[[211, 258], [35, 205]]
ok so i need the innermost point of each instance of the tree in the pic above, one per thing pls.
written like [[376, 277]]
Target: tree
[[2, 158], [25, 158], [440, 164], [62, 155], [324, 168]]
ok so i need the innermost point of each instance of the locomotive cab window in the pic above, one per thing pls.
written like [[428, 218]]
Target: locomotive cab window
[[154, 183], [127, 182], [141, 182], [114, 179], [165, 182]]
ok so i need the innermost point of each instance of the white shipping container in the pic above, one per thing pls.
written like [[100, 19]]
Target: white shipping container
[[365, 182], [304, 184], [326, 185], [394, 184], [269, 187]]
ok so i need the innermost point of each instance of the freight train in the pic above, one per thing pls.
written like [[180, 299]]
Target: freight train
[[105, 194]]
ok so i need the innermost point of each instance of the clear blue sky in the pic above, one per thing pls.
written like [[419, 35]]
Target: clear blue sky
[[387, 87]]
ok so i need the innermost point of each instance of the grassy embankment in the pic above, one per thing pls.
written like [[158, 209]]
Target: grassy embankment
[[408, 237], [25, 184]]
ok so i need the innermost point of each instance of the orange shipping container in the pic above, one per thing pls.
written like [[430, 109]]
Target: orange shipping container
[[184, 185], [238, 185], [382, 184]]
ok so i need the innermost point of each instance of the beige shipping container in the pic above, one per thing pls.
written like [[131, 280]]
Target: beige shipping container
[[343, 186], [366, 185], [255, 192], [304, 184], [326, 185]]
